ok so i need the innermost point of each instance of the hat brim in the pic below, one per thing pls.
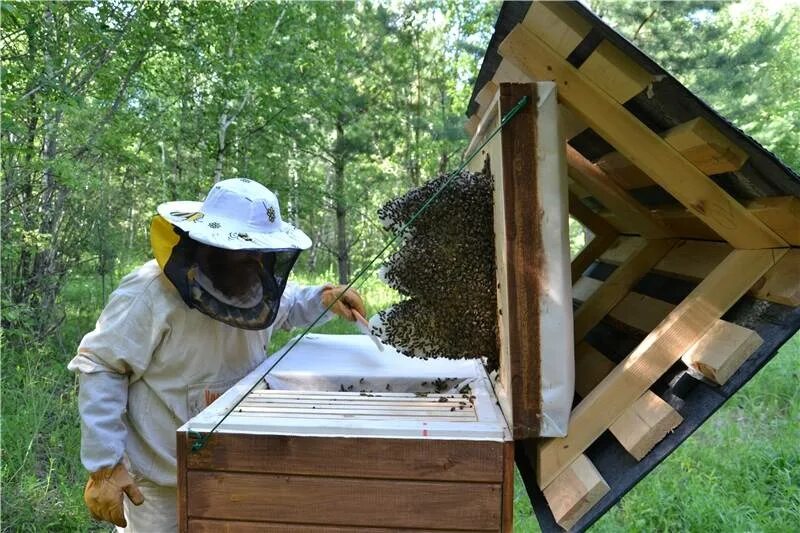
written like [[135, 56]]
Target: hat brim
[[227, 233]]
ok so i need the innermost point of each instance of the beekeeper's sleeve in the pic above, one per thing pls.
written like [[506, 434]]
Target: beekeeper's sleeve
[[300, 305]]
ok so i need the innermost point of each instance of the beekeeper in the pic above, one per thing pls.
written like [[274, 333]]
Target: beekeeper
[[177, 333]]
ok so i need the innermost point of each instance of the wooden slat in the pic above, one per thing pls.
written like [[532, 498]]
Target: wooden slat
[[518, 250], [558, 25], [640, 312], [507, 512], [508, 73], [422, 459], [576, 490], [722, 350], [596, 223], [471, 125], [623, 172], [569, 123], [644, 424], [618, 285], [694, 260], [590, 253], [206, 525], [344, 501], [611, 195], [639, 144], [706, 147], [182, 448], [648, 361], [615, 73], [585, 287], [781, 214]]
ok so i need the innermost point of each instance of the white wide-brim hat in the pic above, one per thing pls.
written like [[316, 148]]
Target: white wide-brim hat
[[237, 214]]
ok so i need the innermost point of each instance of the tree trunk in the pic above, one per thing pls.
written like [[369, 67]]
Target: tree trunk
[[342, 249]]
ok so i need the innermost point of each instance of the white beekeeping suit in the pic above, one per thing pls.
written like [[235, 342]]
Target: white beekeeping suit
[[169, 343]]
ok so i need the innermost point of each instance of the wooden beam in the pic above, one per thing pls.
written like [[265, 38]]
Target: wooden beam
[[507, 73], [589, 218], [623, 172], [647, 362], [780, 213], [694, 260], [558, 25], [615, 73], [576, 490], [640, 312], [615, 198], [722, 350], [471, 125], [569, 123], [706, 147], [644, 424], [590, 253], [507, 514], [638, 143], [618, 285], [585, 287]]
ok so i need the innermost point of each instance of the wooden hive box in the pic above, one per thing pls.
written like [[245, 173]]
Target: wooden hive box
[[365, 441], [691, 280]]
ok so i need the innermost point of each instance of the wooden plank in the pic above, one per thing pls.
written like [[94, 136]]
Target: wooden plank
[[569, 123], [782, 283], [585, 287], [596, 223], [644, 424], [471, 125], [507, 511], [639, 144], [508, 73], [694, 260], [640, 312], [623, 172], [557, 25], [706, 147], [590, 253], [485, 96], [206, 525], [344, 501], [781, 214], [647, 362], [615, 73], [722, 350], [617, 200], [421, 459], [518, 245], [618, 285], [182, 448], [576, 490]]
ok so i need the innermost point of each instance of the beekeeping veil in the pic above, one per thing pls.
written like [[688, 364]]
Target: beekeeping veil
[[240, 220]]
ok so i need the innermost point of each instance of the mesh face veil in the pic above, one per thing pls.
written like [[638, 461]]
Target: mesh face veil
[[205, 277]]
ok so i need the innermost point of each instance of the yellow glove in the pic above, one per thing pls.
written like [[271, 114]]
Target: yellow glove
[[103, 494], [348, 303]]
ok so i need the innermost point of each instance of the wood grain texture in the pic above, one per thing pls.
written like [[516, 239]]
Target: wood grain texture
[[519, 246], [642, 425], [619, 284], [615, 73], [507, 512], [706, 147], [344, 501], [590, 253], [656, 353], [665, 165], [421, 459], [618, 201], [205, 525], [182, 448], [722, 350], [576, 490]]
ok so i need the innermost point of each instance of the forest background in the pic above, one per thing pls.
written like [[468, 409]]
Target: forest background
[[109, 108]]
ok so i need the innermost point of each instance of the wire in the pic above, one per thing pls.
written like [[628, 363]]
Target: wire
[[202, 439]]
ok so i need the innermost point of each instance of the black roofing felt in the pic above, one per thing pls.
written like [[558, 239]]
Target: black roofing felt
[[668, 104]]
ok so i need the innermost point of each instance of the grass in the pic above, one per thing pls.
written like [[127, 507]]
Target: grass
[[740, 472]]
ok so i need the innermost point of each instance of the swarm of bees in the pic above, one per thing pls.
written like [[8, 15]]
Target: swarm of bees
[[445, 267]]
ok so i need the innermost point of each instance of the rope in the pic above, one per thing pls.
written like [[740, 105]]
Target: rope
[[202, 439]]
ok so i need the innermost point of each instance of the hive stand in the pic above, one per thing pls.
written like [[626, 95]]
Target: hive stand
[[714, 248]]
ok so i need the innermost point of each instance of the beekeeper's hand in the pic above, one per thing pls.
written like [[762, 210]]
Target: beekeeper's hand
[[103, 494], [349, 302]]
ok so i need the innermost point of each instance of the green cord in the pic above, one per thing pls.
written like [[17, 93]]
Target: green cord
[[200, 440]]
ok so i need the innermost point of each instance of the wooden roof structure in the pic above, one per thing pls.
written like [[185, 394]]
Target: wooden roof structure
[[692, 280]]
